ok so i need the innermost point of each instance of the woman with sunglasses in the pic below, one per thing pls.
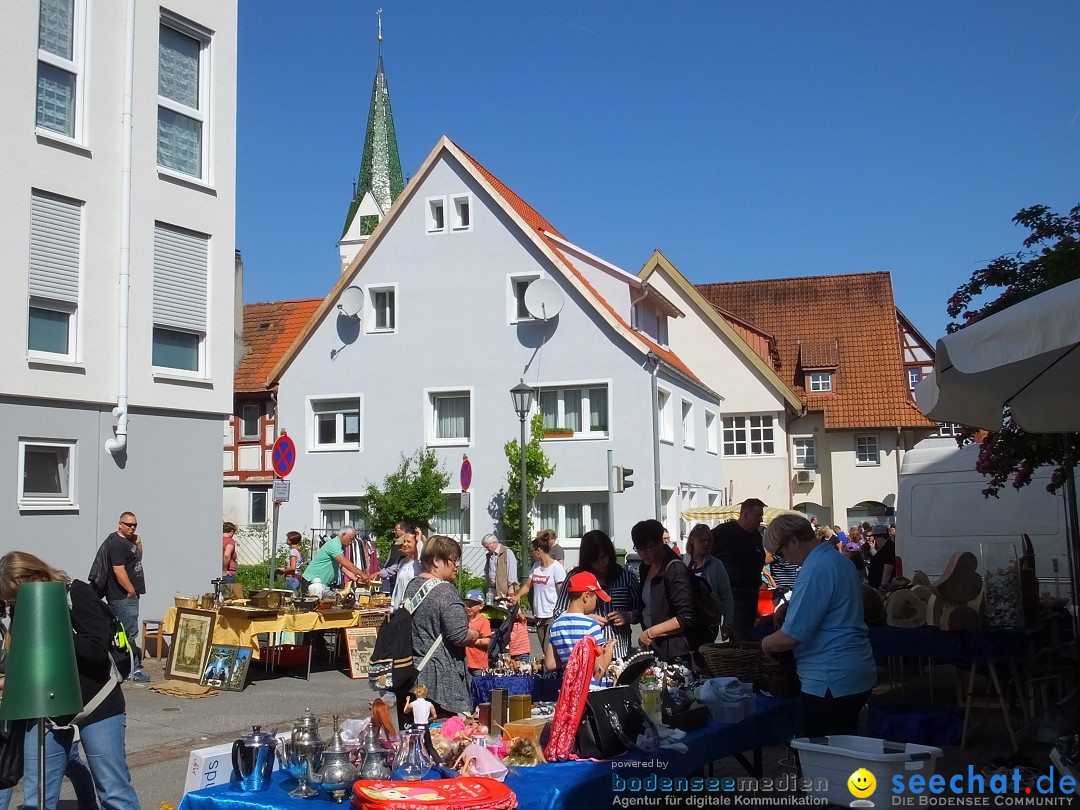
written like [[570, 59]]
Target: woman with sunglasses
[[824, 628]]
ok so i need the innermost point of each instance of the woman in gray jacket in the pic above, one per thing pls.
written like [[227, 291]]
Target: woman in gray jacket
[[702, 563]]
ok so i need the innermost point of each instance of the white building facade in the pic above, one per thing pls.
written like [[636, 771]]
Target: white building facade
[[117, 228]]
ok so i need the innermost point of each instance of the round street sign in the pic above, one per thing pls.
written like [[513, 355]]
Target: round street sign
[[284, 455], [466, 473]]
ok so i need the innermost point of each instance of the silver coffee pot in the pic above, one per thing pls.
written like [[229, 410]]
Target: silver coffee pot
[[253, 759], [373, 762], [303, 749], [337, 773]]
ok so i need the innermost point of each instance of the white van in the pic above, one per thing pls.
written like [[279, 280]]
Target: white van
[[941, 509]]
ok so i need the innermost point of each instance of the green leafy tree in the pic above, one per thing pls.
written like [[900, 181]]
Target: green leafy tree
[[413, 493], [538, 468], [1051, 257]]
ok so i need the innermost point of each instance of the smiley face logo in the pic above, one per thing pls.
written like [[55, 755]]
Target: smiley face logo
[[861, 783]]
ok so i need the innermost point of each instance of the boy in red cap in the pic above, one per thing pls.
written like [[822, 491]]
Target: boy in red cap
[[577, 622]]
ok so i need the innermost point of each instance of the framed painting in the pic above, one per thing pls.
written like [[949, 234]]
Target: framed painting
[[360, 642], [191, 645], [240, 669], [220, 664]]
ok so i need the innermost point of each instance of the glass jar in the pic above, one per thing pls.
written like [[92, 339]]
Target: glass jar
[[651, 698], [1001, 585]]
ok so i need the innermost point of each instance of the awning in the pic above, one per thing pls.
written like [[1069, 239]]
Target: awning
[[708, 514]]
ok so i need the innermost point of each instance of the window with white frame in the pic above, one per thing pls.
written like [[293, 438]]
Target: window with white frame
[[866, 450], [914, 377], [463, 212], [667, 421], [183, 96], [59, 92], [712, 438], [714, 499], [748, 436], [55, 275], [436, 214], [250, 415], [335, 423], [804, 452], [338, 511], [449, 416], [571, 515], [667, 506], [820, 381], [580, 411], [180, 299], [452, 521], [687, 423], [257, 505], [518, 284], [383, 304], [46, 474]]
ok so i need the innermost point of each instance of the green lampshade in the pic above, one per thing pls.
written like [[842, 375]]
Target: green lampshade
[[42, 678]]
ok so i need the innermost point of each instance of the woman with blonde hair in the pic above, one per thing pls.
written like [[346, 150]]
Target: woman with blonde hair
[[102, 729]]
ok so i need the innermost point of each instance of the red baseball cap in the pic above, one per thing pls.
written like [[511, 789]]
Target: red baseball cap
[[584, 581]]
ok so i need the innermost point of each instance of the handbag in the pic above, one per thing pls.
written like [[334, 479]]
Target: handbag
[[12, 733], [611, 724]]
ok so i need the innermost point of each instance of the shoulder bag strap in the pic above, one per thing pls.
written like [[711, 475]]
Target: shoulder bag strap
[[414, 603]]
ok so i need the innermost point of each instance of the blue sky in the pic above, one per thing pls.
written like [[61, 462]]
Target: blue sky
[[745, 140]]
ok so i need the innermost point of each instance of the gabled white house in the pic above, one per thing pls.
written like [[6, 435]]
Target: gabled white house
[[452, 261]]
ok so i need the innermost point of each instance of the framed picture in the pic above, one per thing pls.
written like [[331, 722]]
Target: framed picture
[[220, 664], [360, 642], [191, 644], [240, 669]]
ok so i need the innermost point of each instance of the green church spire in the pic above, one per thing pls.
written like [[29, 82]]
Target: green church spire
[[380, 167]]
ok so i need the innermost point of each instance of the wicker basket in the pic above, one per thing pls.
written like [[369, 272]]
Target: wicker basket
[[374, 618], [778, 675], [734, 660], [185, 602]]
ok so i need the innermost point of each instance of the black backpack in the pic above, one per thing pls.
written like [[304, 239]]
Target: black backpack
[[100, 570], [392, 668]]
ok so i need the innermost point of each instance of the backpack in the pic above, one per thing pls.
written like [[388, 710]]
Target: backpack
[[121, 663], [392, 668], [100, 570], [709, 607]]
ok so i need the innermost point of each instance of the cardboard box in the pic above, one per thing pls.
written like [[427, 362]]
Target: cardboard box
[[212, 765]]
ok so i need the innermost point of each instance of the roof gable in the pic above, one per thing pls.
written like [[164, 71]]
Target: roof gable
[[269, 330]]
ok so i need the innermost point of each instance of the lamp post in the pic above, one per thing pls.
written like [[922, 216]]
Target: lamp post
[[522, 395]]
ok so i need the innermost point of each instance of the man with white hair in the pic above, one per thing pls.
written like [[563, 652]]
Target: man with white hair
[[500, 569]]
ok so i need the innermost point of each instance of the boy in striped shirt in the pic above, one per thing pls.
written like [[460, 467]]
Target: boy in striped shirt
[[577, 622]]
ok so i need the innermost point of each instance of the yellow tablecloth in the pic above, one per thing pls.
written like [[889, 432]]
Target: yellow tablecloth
[[241, 631]]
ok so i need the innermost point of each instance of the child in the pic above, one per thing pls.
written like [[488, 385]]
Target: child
[[520, 648], [576, 623], [476, 655]]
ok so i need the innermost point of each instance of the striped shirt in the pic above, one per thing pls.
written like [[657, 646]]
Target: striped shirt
[[783, 573], [569, 629], [625, 593]]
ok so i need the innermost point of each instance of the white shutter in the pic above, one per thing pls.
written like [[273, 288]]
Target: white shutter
[[55, 223], [180, 278]]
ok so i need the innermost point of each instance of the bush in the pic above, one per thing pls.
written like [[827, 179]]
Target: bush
[[253, 577]]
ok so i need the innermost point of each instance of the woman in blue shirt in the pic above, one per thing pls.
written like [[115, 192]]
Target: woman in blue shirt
[[824, 627]]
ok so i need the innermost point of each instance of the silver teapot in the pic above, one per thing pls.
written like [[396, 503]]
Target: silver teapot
[[373, 761], [253, 759], [336, 773], [303, 749]]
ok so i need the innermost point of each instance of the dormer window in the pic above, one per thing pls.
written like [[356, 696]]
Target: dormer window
[[820, 381]]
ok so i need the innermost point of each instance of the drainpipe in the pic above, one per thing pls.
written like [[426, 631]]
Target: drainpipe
[[655, 362], [119, 441]]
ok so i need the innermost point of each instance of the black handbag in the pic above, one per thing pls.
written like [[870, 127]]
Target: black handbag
[[611, 724], [11, 752]]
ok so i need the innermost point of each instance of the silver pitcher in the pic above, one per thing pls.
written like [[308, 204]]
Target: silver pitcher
[[336, 773], [373, 762], [253, 759], [303, 749]]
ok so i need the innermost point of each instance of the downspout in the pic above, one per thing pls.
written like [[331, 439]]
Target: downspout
[[119, 442], [655, 362]]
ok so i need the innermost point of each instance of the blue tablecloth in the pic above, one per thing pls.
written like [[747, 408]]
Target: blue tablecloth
[[559, 785], [543, 687]]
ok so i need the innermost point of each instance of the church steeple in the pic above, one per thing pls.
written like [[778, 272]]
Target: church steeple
[[380, 168]]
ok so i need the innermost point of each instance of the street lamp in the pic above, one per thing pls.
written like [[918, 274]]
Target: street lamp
[[522, 396]]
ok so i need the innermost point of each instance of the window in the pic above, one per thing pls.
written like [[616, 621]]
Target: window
[[436, 214], [687, 423], [663, 405], [180, 299], [712, 443], [335, 423], [748, 436], [450, 417], [257, 499], [452, 521], [60, 61], [55, 272], [46, 474], [804, 453], [820, 381], [516, 309], [667, 502], [866, 450], [578, 411], [250, 414], [462, 220], [339, 511], [383, 304], [573, 514], [914, 377], [183, 97]]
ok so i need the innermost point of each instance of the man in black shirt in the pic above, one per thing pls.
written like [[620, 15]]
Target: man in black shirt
[[127, 583], [737, 544]]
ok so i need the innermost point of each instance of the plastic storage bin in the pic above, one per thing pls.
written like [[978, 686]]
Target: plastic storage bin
[[832, 760]]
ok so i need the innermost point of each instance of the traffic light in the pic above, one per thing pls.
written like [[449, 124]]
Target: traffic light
[[622, 478]]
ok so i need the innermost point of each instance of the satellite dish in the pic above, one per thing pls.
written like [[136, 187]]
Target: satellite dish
[[351, 302], [544, 299]]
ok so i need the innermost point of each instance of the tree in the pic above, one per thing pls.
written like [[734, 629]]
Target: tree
[[413, 493], [1051, 257], [538, 468]]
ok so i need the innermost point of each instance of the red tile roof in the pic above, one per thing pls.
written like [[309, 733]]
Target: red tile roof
[[855, 314], [542, 227], [269, 330]]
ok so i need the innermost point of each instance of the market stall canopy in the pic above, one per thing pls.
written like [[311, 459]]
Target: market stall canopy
[[1025, 357], [708, 514]]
